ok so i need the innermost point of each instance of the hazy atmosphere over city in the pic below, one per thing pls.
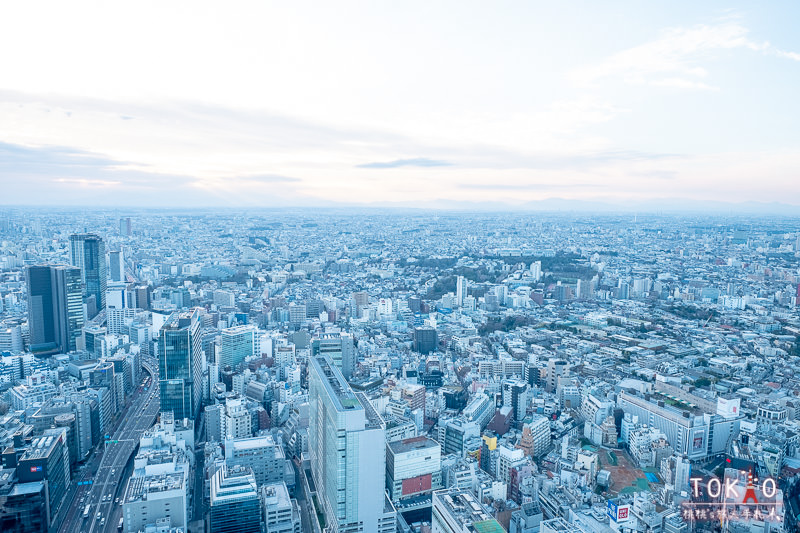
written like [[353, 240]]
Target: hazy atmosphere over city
[[436, 104], [399, 267]]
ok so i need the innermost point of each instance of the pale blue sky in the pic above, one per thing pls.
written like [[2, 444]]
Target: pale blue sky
[[401, 103]]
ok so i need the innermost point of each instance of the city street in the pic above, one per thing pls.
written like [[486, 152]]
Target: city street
[[110, 464]]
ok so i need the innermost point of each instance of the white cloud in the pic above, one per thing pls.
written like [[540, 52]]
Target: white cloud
[[789, 55], [683, 83], [673, 59], [259, 100]]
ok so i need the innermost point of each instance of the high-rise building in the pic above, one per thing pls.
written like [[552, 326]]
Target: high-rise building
[[262, 455], [360, 301], [116, 262], [536, 270], [10, 338], [24, 508], [215, 422], [153, 497], [158, 490], [480, 409], [555, 369], [139, 297], [536, 436], [88, 252], [281, 513], [236, 344], [117, 295], [675, 470], [413, 468], [180, 364], [348, 453], [125, 227], [55, 307], [517, 395], [339, 347], [461, 290], [47, 461], [425, 340], [235, 504]]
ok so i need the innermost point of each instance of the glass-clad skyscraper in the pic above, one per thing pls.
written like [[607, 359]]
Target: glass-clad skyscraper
[[236, 344], [41, 319], [88, 252], [55, 307], [234, 500], [180, 364]]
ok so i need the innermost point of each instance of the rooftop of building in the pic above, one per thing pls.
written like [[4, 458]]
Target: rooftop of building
[[374, 420], [275, 495], [232, 484], [40, 447], [179, 320], [488, 526], [465, 508], [414, 443], [25, 489], [140, 487], [251, 443], [234, 330], [560, 525], [335, 383]]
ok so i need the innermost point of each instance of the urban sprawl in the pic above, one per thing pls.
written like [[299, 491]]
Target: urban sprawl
[[390, 371]]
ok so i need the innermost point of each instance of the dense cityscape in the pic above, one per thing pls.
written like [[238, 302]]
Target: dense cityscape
[[332, 370]]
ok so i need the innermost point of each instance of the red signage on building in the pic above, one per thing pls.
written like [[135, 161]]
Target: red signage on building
[[416, 484]]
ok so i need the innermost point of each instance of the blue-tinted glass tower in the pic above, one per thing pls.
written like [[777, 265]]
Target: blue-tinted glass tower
[[180, 364], [55, 307], [88, 252]]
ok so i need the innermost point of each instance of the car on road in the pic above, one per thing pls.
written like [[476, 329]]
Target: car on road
[[98, 515]]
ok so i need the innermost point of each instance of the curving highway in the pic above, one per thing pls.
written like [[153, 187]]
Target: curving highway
[[107, 470]]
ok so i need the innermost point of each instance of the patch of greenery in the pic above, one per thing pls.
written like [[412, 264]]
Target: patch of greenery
[[442, 286], [507, 324], [702, 382], [320, 514]]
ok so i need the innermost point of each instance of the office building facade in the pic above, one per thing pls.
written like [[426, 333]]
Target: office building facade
[[340, 347], [88, 252], [696, 436], [348, 453], [180, 364], [55, 307], [47, 461], [236, 344], [281, 514], [235, 503]]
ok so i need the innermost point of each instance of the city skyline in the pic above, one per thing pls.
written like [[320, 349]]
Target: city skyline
[[307, 370], [447, 106], [399, 267]]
